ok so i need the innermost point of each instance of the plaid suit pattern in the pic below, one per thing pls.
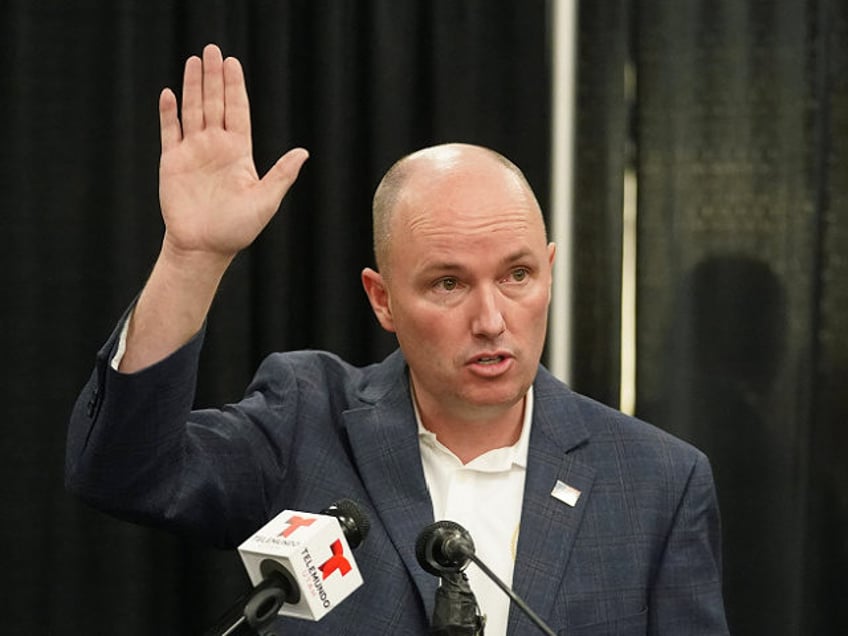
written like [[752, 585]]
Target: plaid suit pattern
[[637, 554]]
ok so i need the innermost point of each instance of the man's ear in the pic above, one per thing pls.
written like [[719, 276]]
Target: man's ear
[[378, 296]]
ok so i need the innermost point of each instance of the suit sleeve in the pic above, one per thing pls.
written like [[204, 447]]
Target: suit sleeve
[[136, 450], [686, 597]]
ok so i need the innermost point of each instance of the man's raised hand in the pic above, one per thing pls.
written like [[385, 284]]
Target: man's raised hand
[[213, 201]]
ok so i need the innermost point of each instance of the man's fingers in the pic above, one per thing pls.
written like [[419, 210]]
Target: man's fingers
[[169, 123], [213, 87], [192, 111], [236, 106], [214, 94]]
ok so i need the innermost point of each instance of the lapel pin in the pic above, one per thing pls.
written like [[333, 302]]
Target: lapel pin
[[565, 493]]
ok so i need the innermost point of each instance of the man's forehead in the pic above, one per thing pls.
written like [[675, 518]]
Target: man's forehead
[[465, 242], [444, 217]]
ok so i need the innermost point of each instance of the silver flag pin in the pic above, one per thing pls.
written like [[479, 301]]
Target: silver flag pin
[[565, 493]]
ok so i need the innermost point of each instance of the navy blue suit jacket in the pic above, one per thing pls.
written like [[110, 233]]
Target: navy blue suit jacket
[[637, 554]]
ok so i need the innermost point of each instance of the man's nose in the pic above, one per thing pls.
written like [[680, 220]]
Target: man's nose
[[487, 319]]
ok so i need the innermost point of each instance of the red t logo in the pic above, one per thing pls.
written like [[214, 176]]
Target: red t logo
[[294, 523], [335, 562]]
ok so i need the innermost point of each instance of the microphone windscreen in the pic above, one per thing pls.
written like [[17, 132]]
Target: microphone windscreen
[[355, 523], [443, 547]]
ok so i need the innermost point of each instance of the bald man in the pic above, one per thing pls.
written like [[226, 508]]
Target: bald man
[[602, 523]]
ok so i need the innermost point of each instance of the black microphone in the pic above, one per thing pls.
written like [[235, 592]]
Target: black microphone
[[255, 611], [353, 520], [445, 547]]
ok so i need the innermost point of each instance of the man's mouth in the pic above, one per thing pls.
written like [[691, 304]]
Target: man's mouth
[[489, 359], [491, 364]]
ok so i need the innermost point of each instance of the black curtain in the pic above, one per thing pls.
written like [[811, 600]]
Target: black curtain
[[359, 83], [603, 151], [734, 116]]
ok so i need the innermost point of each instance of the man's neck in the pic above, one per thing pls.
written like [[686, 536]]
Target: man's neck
[[470, 437]]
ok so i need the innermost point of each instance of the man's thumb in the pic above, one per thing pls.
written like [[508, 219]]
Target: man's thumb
[[283, 174]]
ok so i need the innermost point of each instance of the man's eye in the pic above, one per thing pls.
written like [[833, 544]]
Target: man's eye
[[520, 274], [447, 284]]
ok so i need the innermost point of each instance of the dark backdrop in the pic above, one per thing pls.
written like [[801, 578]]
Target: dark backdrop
[[734, 117], [736, 126]]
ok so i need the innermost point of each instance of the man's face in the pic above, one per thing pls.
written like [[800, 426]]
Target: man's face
[[467, 287]]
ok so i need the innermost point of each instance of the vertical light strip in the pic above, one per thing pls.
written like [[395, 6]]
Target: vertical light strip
[[627, 396], [563, 91]]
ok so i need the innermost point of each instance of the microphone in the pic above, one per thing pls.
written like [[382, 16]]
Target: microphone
[[445, 548], [300, 564]]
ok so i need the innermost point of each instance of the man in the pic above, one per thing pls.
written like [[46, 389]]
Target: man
[[603, 524]]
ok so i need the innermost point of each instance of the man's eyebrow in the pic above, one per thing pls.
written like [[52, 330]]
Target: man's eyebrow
[[518, 255], [447, 267], [442, 266]]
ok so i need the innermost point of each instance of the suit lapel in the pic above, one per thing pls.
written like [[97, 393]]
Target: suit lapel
[[549, 525], [384, 441]]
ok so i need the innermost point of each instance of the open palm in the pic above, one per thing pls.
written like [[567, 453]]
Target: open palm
[[212, 198]]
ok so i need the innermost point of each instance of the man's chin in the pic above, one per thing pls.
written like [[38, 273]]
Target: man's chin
[[494, 402]]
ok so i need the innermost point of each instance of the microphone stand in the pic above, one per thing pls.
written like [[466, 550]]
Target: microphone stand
[[456, 612], [515, 598]]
